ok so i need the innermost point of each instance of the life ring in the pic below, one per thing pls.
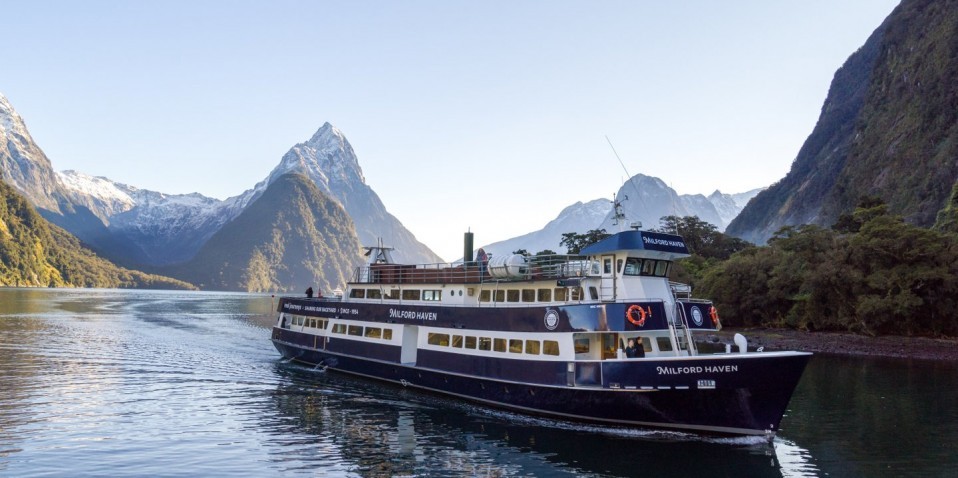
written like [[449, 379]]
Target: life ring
[[713, 313], [641, 314]]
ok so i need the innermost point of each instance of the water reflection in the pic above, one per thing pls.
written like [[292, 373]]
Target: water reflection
[[145, 383], [382, 430]]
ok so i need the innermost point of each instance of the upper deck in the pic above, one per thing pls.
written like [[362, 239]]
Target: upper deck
[[657, 248]]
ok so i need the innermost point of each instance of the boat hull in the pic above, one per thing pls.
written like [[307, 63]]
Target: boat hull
[[725, 394]]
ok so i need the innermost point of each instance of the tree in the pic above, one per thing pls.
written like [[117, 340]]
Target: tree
[[702, 238], [576, 242]]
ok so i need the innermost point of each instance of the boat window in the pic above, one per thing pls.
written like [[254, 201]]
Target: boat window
[[312, 323], [485, 296], [438, 339], [609, 346], [560, 294], [374, 294], [499, 345], [393, 294], [528, 295], [664, 343], [374, 332], [544, 295], [594, 293], [485, 343], [432, 295], [515, 346], [661, 268], [355, 330], [576, 293], [648, 267], [645, 343], [500, 296], [357, 293], [457, 341], [387, 334], [410, 294], [582, 345], [339, 329], [606, 266], [470, 342], [512, 295], [550, 347], [532, 347], [633, 266]]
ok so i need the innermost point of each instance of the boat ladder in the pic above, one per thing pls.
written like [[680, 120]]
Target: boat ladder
[[681, 334]]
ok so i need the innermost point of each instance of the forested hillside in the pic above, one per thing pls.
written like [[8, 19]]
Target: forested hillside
[[888, 128], [35, 253], [292, 237], [871, 273]]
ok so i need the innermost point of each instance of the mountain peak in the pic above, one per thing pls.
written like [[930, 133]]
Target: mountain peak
[[326, 157], [328, 138]]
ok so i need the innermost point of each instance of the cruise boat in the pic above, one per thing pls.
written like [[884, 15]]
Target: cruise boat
[[547, 335]]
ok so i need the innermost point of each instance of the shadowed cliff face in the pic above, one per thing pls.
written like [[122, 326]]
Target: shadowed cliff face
[[887, 129], [292, 237]]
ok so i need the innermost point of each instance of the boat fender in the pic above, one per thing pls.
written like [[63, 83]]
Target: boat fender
[[636, 314], [741, 342], [713, 313]]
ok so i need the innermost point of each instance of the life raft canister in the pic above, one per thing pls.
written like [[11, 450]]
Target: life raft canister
[[636, 314], [713, 313]]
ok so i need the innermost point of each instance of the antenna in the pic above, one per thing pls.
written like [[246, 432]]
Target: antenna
[[618, 205]]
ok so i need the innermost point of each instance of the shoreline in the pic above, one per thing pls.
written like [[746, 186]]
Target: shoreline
[[843, 343]]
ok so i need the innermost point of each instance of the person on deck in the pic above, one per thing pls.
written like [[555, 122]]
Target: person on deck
[[631, 351], [309, 293]]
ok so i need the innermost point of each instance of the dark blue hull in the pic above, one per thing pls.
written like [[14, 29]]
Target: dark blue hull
[[728, 394]]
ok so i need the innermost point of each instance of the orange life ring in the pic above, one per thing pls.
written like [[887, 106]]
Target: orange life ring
[[641, 313], [713, 313]]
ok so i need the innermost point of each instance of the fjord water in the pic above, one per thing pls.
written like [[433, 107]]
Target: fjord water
[[156, 383]]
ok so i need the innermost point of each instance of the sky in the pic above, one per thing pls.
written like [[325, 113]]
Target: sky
[[486, 116]]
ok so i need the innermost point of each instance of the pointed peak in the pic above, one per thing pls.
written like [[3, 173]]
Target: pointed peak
[[327, 135]]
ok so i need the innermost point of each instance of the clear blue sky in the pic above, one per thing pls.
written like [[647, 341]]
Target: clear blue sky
[[485, 115]]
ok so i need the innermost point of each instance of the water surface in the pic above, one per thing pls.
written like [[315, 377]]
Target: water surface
[[155, 383]]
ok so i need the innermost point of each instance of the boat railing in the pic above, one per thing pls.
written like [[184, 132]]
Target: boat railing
[[528, 268], [680, 290]]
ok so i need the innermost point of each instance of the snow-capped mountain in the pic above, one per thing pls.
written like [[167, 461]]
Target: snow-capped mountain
[[136, 227], [579, 217], [643, 199], [330, 162], [729, 205], [647, 199], [23, 165]]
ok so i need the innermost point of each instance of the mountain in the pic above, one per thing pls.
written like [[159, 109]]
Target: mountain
[[729, 206], [329, 161], [647, 199], [292, 236], [35, 253], [643, 198], [888, 129], [579, 217], [152, 230]]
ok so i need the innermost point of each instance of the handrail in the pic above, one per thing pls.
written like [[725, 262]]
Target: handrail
[[557, 266]]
